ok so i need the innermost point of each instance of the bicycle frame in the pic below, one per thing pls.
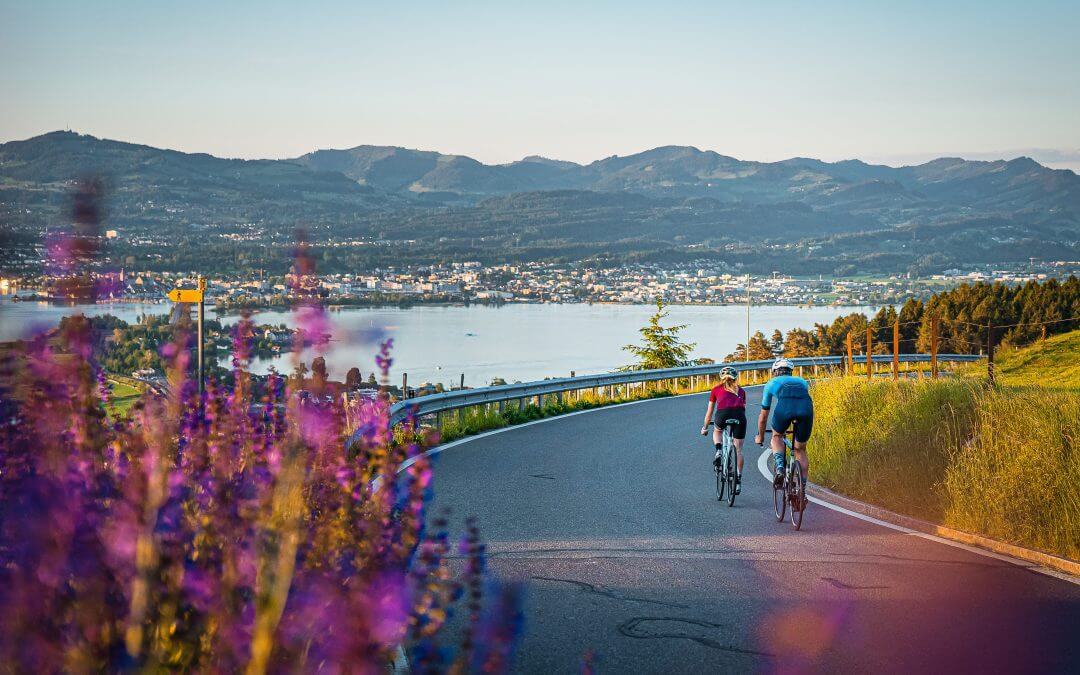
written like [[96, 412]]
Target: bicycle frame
[[728, 444]]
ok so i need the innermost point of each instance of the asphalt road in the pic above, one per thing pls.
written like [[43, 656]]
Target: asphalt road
[[610, 521]]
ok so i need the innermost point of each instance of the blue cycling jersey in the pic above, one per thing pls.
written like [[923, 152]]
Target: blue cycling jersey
[[784, 386]]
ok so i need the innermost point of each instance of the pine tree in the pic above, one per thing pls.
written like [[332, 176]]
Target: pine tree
[[760, 348], [661, 347], [800, 342]]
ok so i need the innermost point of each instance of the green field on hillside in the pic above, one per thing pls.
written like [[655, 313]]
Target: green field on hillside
[[1054, 363], [122, 396]]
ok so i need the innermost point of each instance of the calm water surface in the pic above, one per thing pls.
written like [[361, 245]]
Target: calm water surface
[[515, 342]]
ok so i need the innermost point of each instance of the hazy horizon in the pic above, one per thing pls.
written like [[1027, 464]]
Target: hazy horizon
[[1047, 157], [894, 84]]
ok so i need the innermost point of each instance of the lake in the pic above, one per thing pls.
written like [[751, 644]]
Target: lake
[[515, 341]]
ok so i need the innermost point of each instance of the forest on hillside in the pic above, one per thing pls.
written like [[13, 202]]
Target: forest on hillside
[[969, 318]]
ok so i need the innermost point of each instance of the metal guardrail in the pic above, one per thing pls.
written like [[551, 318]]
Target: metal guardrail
[[464, 398]]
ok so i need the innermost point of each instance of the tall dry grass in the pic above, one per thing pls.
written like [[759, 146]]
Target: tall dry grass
[[1000, 462]]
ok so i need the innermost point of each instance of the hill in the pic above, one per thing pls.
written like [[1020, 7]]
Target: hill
[[671, 203], [1053, 363], [679, 171]]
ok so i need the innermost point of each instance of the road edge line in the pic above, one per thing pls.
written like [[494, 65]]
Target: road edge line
[[1036, 561]]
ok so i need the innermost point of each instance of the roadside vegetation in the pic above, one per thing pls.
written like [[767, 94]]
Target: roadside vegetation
[[999, 461], [479, 419]]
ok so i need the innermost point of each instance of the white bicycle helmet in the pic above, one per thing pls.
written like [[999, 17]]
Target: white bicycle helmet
[[728, 372], [782, 366]]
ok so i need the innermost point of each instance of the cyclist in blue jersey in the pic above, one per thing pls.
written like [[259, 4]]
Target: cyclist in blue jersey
[[788, 397]]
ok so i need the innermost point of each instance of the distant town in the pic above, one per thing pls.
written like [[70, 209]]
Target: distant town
[[472, 282]]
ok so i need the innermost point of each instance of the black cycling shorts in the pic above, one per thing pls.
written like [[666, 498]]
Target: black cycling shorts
[[738, 426], [797, 411]]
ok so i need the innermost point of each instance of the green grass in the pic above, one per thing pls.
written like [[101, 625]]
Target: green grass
[[1001, 462], [121, 397], [1054, 363]]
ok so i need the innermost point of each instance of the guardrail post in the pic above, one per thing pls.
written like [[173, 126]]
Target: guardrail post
[[521, 404], [502, 407]]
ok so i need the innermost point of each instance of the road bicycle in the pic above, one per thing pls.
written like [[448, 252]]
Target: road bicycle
[[792, 492], [726, 473]]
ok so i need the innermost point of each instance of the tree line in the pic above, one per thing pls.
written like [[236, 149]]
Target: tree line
[[969, 317]]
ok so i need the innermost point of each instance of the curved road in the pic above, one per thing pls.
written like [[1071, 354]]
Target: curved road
[[610, 520]]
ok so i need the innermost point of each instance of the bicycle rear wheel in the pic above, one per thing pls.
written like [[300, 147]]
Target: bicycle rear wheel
[[729, 467], [798, 494], [779, 498]]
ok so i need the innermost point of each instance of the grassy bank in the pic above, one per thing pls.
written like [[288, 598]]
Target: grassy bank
[[1053, 363], [1001, 462]]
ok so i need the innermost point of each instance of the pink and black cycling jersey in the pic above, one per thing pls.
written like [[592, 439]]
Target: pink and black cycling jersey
[[725, 399]]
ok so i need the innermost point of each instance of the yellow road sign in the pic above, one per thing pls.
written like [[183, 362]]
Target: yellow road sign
[[185, 295]]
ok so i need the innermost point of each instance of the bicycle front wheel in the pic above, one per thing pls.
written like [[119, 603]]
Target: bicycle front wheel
[[729, 466], [720, 483], [798, 495]]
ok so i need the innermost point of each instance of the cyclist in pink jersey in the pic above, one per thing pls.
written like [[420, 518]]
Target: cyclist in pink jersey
[[727, 406]]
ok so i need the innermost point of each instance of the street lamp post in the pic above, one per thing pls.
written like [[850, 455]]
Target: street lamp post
[[746, 352]]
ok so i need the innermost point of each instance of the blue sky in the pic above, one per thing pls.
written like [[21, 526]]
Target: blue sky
[[886, 81]]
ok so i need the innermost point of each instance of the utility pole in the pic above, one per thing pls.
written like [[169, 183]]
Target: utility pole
[[746, 352], [404, 386], [990, 351], [896, 350], [202, 315], [934, 328], [869, 352]]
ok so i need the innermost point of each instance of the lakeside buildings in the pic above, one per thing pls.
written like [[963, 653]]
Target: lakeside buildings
[[541, 282]]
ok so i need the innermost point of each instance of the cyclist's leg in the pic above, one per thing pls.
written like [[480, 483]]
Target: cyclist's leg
[[803, 458], [738, 434], [779, 423], [804, 426], [718, 443]]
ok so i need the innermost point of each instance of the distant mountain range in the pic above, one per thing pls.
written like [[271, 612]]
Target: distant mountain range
[[679, 171], [672, 202]]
